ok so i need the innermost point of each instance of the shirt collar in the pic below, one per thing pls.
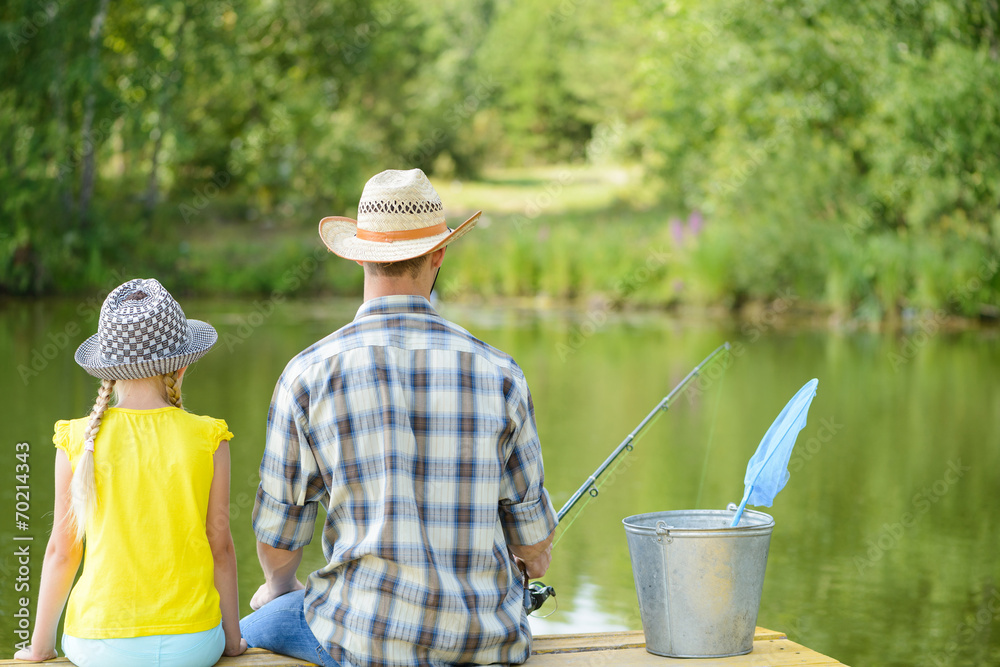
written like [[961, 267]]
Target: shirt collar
[[394, 305]]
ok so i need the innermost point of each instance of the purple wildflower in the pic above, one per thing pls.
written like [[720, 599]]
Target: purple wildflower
[[676, 230], [695, 223]]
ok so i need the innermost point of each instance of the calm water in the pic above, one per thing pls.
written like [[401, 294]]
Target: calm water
[[885, 546]]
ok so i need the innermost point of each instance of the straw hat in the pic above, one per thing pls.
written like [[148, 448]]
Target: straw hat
[[400, 216], [142, 332]]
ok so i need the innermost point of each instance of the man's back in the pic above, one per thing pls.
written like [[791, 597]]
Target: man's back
[[420, 440]]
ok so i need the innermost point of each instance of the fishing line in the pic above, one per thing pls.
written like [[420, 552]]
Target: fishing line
[[608, 475], [591, 488], [711, 435], [535, 594]]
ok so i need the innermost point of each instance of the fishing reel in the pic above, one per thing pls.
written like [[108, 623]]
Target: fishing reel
[[535, 596]]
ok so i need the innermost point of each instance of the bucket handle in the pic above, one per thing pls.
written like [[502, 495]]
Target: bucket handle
[[663, 531]]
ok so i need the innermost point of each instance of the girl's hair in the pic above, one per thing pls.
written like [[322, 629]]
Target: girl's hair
[[83, 488], [173, 391]]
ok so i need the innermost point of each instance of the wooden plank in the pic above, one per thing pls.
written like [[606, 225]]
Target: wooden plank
[[254, 657], [767, 653], [597, 641], [258, 657], [771, 649]]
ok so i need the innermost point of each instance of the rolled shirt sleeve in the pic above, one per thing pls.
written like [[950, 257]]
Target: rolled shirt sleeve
[[526, 512], [291, 486]]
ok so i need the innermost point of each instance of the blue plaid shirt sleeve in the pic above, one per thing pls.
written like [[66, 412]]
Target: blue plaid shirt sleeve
[[526, 511], [291, 486]]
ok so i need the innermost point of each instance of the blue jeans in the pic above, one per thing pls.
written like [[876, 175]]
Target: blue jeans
[[194, 649], [280, 626]]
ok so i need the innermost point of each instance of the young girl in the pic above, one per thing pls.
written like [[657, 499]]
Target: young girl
[[147, 485]]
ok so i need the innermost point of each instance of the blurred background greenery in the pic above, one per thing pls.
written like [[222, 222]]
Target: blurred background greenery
[[844, 151]]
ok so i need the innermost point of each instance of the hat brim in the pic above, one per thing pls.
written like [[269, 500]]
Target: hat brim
[[339, 234], [201, 337]]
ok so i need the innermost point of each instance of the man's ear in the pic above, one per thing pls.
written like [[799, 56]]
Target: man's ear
[[437, 257]]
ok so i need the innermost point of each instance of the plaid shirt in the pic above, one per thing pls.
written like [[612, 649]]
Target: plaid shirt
[[420, 441]]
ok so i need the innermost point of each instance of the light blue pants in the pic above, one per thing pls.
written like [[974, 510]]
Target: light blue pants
[[194, 649]]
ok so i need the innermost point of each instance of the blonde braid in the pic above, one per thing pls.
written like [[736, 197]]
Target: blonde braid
[[173, 391], [83, 488]]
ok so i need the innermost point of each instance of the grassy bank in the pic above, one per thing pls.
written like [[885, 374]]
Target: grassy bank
[[586, 235]]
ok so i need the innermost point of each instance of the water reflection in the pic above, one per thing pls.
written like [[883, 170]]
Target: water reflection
[[880, 555]]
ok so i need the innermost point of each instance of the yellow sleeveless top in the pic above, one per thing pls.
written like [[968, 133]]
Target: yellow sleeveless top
[[148, 567]]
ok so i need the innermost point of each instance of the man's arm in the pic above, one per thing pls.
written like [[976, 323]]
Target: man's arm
[[279, 567], [290, 488], [533, 558], [528, 518]]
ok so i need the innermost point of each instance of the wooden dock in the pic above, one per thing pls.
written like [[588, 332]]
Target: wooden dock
[[771, 649]]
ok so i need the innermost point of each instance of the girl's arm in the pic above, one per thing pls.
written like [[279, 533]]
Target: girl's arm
[[223, 553], [62, 560]]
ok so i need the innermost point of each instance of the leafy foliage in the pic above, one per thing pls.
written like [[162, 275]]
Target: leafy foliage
[[844, 151]]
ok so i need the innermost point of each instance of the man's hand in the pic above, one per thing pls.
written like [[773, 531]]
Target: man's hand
[[279, 567], [533, 558], [267, 592]]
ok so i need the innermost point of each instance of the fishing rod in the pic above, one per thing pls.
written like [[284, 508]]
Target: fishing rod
[[537, 593]]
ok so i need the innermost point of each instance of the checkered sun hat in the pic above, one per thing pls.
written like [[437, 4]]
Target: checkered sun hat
[[143, 332]]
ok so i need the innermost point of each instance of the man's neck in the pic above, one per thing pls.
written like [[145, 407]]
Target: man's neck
[[380, 286]]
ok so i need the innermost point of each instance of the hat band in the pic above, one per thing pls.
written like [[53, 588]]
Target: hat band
[[403, 234]]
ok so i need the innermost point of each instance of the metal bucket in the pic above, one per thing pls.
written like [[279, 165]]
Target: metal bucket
[[698, 580]]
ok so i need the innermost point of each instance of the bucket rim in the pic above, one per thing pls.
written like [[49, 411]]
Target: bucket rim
[[765, 523]]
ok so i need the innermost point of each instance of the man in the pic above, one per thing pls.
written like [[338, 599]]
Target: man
[[420, 442]]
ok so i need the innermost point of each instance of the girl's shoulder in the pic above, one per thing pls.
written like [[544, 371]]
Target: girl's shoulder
[[203, 426], [68, 435]]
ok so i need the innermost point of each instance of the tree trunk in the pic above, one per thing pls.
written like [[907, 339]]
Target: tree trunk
[[992, 11], [89, 143], [149, 201], [167, 92], [64, 143]]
